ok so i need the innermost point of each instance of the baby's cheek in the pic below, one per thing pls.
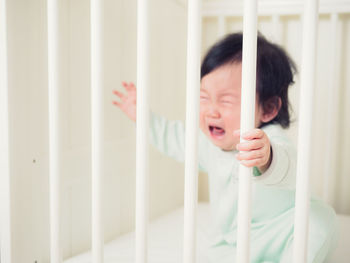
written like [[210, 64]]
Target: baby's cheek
[[202, 127], [201, 123], [235, 143]]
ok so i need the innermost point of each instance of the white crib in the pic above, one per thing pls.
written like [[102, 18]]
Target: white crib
[[166, 227]]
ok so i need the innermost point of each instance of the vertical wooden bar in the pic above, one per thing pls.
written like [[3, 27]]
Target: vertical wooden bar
[[142, 113], [192, 129], [5, 197], [221, 26], [328, 182], [54, 133], [307, 82], [247, 123], [97, 127]]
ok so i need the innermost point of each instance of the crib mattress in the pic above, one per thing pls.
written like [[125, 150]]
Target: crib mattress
[[165, 240], [165, 243]]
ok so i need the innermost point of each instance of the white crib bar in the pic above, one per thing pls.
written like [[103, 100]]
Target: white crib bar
[[192, 129], [54, 134], [307, 81], [328, 182], [142, 125], [97, 124], [272, 7], [5, 198], [247, 123]]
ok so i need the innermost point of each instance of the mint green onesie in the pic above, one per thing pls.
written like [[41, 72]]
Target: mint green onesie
[[272, 201]]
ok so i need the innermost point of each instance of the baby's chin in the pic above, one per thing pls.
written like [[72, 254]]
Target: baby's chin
[[222, 145], [225, 147], [229, 149]]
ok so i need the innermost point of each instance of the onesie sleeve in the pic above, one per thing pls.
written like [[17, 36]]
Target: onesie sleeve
[[169, 138], [282, 170]]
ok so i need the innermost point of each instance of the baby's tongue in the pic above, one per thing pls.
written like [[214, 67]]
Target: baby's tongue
[[218, 131]]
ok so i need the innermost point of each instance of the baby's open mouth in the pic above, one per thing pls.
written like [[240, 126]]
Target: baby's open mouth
[[216, 131]]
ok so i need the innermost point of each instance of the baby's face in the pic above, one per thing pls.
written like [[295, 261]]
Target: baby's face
[[220, 105]]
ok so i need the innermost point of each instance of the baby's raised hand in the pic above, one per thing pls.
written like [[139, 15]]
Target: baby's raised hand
[[256, 150], [127, 101]]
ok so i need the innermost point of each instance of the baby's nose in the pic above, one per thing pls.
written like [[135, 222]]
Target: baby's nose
[[213, 112]]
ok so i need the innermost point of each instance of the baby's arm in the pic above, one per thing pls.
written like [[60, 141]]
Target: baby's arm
[[165, 135], [256, 150], [278, 164]]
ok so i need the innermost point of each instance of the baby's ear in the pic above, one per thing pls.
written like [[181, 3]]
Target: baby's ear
[[271, 108]]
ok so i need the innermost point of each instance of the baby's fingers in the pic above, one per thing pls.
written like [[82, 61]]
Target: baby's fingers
[[253, 134], [250, 145], [251, 155], [117, 103], [129, 87], [119, 94], [252, 163]]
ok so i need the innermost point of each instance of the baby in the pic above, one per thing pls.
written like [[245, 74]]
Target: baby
[[266, 148]]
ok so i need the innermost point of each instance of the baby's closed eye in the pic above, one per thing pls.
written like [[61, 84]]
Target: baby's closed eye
[[227, 101]]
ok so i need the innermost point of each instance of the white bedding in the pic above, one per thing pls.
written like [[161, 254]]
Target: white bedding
[[166, 241], [342, 252]]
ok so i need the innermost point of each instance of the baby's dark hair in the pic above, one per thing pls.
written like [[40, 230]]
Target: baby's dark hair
[[275, 70]]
